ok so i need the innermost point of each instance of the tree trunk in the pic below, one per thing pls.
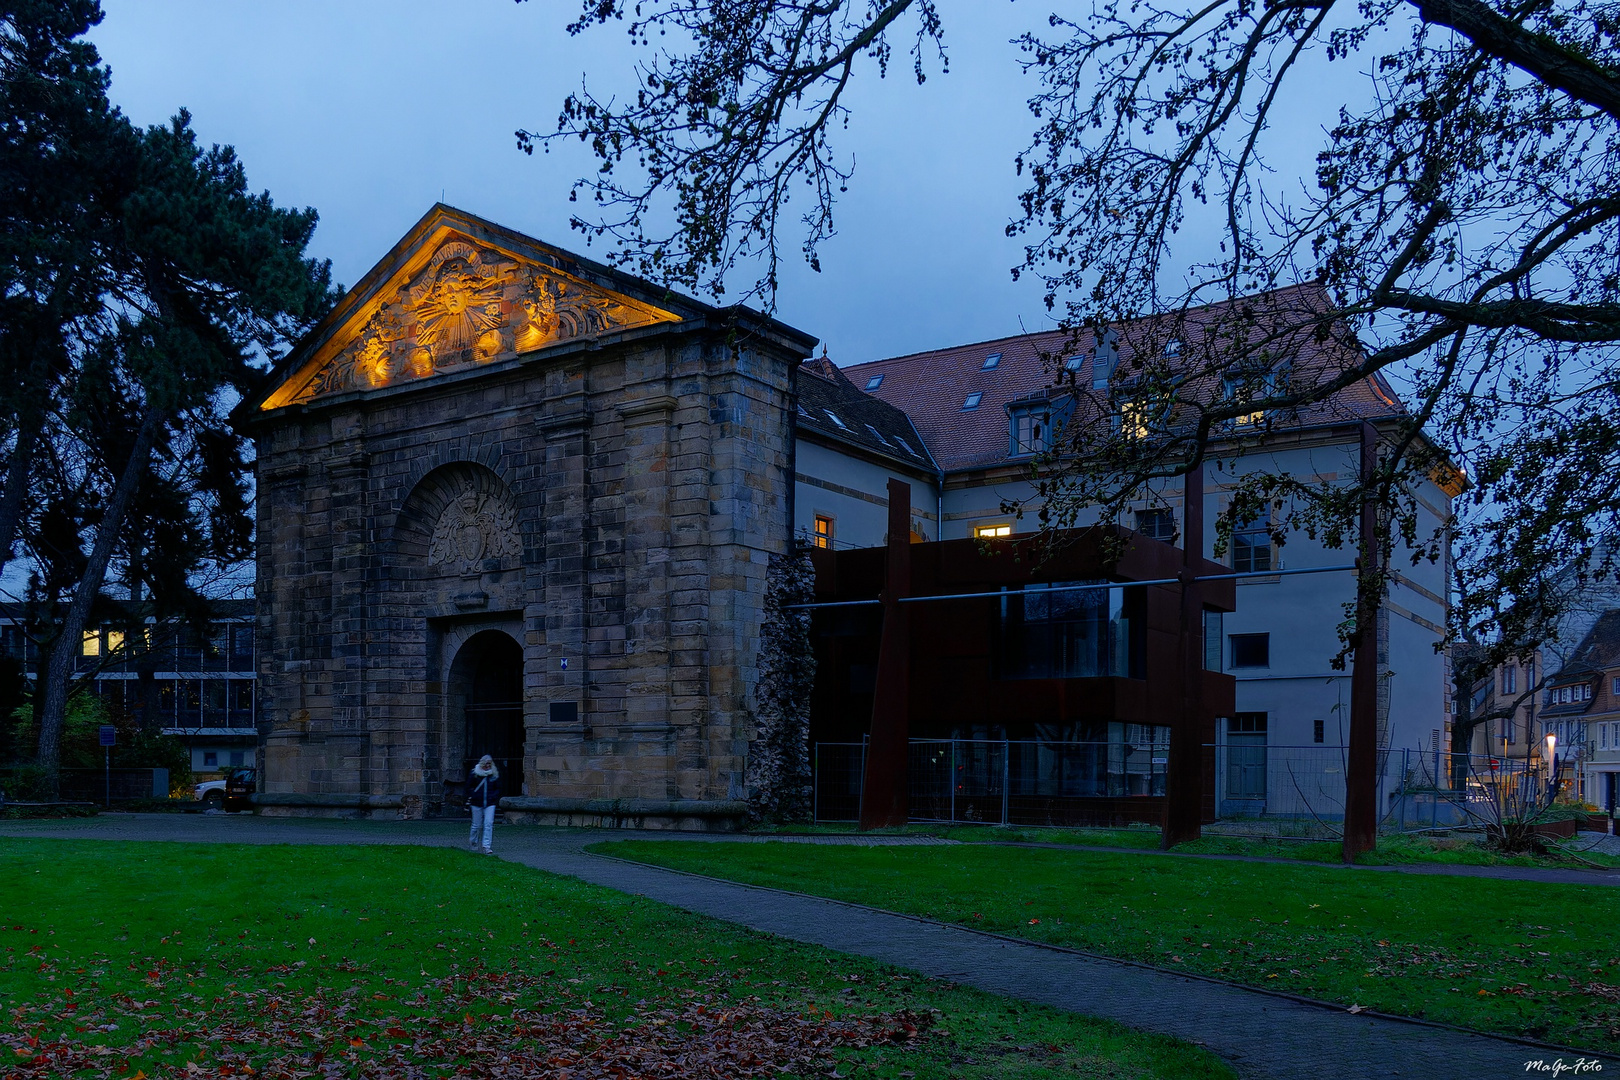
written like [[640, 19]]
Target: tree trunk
[[59, 667], [1361, 767], [16, 486]]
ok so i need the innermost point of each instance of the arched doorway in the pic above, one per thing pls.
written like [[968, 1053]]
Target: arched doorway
[[488, 678]]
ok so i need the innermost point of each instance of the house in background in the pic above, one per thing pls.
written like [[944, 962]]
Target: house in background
[[202, 689], [1497, 711], [848, 445], [985, 412], [1581, 707]]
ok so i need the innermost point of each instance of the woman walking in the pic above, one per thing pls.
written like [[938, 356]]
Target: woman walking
[[484, 797]]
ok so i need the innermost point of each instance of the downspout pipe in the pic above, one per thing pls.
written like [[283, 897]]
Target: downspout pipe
[[792, 456]]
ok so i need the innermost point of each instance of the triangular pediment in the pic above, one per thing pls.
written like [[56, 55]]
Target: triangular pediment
[[456, 299]]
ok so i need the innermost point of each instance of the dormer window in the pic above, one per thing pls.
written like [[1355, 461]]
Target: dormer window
[[972, 401], [1033, 425], [1133, 420], [873, 383], [1241, 387], [1031, 432], [991, 362]]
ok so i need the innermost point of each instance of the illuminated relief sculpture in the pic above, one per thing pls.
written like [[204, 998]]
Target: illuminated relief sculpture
[[468, 306], [457, 304], [475, 526], [556, 310], [368, 361]]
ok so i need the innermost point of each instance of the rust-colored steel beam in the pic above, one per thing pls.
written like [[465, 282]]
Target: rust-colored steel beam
[[884, 801], [1361, 765], [1184, 774]]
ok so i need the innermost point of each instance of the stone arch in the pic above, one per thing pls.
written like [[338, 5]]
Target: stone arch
[[459, 518], [436, 602], [483, 706]]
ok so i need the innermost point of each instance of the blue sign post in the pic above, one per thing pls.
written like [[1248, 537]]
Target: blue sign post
[[109, 739]]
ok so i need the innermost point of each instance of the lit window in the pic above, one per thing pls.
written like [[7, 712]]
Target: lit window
[[1251, 547], [835, 418], [1133, 423], [824, 531], [1250, 650], [92, 643], [873, 383], [991, 362], [115, 640], [973, 400], [1157, 523], [1244, 387], [992, 532]]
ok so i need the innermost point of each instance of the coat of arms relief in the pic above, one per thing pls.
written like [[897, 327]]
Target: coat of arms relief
[[475, 527], [468, 306]]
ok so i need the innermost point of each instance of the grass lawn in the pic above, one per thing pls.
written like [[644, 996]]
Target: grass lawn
[[1456, 849], [132, 961], [1511, 957]]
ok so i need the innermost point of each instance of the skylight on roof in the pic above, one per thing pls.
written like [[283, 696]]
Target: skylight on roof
[[906, 446], [1073, 363], [835, 418], [973, 400], [876, 434], [873, 383], [991, 362], [1172, 347]]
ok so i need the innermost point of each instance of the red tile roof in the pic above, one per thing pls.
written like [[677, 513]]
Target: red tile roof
[[932, 387], [834, 408]]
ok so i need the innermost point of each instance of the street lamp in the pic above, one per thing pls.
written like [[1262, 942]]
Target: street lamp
[[1552, 749]]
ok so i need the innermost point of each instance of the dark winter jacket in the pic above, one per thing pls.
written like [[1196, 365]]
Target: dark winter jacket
[[483, 790]]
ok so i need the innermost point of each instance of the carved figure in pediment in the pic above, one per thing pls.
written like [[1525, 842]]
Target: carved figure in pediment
[[475, 526], [366, 362], [555, 309], [457, 304]]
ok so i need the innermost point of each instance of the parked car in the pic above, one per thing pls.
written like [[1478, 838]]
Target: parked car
[[232, 793], [211, 794]]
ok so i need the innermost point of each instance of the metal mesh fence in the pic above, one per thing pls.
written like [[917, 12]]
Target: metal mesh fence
[[1005, 782], [1282, 791], [837, 768]]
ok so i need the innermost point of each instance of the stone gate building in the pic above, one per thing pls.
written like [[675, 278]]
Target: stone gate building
[[517, 503]]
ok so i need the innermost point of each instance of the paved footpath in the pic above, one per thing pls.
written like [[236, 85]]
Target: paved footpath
[[1261, 1035]]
